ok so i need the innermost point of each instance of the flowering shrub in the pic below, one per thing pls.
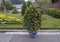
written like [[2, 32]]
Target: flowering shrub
[[9, 19]]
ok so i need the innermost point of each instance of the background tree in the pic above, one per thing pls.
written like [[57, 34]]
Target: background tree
[[8, 5], [23, 8], [43, 4]]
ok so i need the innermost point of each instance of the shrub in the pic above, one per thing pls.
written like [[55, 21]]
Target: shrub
[[53, 12], [32, 18], [58, 14], [24, 7], [15, 11]]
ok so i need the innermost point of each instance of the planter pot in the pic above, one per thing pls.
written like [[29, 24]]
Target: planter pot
[[33, 34]]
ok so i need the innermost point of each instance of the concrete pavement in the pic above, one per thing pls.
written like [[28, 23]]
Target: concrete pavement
[[39, 38], [24, 37], [24, 30], [5, 38]]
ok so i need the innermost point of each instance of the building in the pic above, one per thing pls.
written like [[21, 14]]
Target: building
[[55, 4], [18, 4], [18, 7]]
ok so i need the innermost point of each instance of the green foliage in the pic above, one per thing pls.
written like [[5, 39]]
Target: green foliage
[[53, 12], [23, 8], [58, 14], [29, 3], [1, 8], [8, 5], [15, 11], [32, 18]]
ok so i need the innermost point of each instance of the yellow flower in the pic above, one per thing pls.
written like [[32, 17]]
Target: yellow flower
[[9, 18], [17, 20]]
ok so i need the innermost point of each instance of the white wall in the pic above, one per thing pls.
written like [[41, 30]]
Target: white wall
[[18, 7], [30, 0]]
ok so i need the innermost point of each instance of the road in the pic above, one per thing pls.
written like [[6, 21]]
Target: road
[[5, 37]]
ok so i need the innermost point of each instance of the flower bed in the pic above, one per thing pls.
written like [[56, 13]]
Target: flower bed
[[9, 19]]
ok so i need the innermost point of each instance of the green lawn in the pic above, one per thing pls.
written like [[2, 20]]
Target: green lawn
[[11, 26], [47, 22], [50, 22], [15, 15]]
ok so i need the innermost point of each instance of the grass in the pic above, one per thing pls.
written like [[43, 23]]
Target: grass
[[48, 22], [11, 26], [16, 15]]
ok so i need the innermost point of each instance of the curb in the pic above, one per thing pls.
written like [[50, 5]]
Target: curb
[[39, 33], [15, 30]]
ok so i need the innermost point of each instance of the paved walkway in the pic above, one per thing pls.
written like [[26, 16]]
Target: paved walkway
[[24, 37], [39, 38], [24, 30]]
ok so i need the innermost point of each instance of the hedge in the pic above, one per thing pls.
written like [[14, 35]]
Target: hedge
[[53, 12]]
